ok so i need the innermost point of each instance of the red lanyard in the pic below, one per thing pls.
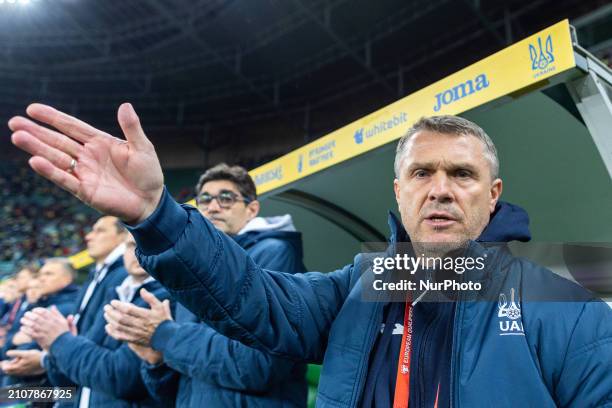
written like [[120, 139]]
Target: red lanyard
[[402, 382]]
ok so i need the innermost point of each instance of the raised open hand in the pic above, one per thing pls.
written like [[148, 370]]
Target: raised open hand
[[116, 177]]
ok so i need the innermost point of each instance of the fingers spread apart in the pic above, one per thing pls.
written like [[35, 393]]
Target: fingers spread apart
[[70, 126], [46, 136], [55, 174]]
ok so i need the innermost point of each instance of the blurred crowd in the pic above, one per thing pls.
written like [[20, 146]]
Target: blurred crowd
[[38, 219]]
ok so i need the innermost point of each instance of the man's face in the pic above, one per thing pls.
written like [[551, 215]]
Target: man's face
[[22, 278], [33, 292], [10, 291], [445, 193], [103, 238], [130, 261], [233, 218], [52, 277]]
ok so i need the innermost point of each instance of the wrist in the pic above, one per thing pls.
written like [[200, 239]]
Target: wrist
[[47, 345], [43, 356], [155, 358], [56, 336], [149, 207]]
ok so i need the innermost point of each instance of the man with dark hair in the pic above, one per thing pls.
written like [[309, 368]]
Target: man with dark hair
[[236, 174], [226, 196], [189, 363], [447, 194]]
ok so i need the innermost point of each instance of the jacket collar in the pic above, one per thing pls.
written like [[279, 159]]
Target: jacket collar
[[112, 257], [509, 222]]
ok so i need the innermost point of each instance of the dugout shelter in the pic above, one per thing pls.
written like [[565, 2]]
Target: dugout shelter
[[545, 102]]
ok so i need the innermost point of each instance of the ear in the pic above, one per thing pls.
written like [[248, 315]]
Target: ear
[[496, 191], [253, 209], [396, 189]]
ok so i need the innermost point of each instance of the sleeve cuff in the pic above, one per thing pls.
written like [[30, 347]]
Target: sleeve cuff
[[43, 358], [163, 334], [161, 229], [62, 346], [154, 367]]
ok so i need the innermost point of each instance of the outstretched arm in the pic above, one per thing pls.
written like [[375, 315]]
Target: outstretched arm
[[203, 269], [288, 315]]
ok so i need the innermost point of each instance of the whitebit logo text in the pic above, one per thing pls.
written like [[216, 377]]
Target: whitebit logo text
[[381, 127]]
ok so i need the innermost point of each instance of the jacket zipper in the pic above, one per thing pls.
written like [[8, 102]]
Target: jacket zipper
[[420, 396]]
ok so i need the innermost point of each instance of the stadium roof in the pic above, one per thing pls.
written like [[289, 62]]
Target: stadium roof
[[312, 65]]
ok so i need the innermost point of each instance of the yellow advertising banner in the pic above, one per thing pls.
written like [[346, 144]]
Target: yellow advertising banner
[[518, 66]]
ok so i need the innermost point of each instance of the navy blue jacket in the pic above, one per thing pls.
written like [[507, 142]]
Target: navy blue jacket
[[64, 301], [205, 369], [432, 328], [560, 357], [86, 325], [109, 368], [23, 308]]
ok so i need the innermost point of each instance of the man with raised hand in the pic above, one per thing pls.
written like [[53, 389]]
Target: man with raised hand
[[447, 189]]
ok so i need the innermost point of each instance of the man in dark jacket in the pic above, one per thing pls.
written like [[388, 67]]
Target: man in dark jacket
[[105, 367], [12, 299], [23, 280], [447, 189], [189, 363], [105, 244], [55, 289]]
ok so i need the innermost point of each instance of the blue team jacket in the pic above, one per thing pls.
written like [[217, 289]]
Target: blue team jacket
[[108, 367], [64, 301], [206, 369], [562, 357]]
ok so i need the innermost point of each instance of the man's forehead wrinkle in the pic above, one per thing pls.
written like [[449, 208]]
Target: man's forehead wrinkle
[[442, 164], [428, 152], [436, 140]]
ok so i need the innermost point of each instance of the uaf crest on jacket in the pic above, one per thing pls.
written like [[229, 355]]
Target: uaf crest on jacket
[[509, 316]]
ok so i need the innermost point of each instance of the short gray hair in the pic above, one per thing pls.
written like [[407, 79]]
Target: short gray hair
[[65, 263], [450, 125]]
